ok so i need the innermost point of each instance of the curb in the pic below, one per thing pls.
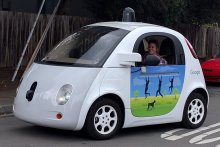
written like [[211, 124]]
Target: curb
[[6, 110]]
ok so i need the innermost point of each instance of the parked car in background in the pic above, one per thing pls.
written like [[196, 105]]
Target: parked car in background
[[211, 69]]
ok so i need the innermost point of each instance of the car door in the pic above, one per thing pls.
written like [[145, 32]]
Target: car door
[[155, 90]]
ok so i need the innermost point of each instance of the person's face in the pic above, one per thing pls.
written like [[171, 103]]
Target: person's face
[[152, 49]]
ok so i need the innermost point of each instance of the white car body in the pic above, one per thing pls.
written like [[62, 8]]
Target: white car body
[[89, 84]]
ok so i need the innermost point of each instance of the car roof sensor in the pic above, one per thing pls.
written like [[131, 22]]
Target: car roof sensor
[[128, 15]]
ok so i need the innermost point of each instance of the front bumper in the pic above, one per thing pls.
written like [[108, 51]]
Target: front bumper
[[41, 107], [33, 114]]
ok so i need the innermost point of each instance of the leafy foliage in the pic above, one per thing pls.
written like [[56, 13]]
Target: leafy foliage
[[175, 92], [136, 93], [204, 11], [163, 12]]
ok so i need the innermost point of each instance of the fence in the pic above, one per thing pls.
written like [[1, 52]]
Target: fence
[[15, 28], [206, 41]]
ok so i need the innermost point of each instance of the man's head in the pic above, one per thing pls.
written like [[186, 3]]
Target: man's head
[[152, 47]]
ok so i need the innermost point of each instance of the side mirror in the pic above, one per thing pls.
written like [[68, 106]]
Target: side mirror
[[152, 60], [129, 59]]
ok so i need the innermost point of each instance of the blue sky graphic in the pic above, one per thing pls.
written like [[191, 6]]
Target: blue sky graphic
[[138, 79]]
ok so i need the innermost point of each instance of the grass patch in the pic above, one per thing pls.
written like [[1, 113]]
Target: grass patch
[[139, 106]]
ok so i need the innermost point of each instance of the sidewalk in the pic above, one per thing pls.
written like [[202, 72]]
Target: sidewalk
[[6, 101], [7, 91]]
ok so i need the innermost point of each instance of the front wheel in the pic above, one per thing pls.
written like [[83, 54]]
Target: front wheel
[[104, 119], [195, 111]]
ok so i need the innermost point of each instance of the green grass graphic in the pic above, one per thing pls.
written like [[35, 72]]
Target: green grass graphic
[[162, 105]]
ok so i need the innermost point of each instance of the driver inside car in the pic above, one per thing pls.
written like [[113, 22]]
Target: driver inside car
[[152, 50]]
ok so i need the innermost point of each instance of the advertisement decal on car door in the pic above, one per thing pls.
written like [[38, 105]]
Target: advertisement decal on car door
[[155, 90]]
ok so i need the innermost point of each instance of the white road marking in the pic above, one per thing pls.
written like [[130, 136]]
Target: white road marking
[[200, 137], [176, 137], [209, 140], [170, 134]]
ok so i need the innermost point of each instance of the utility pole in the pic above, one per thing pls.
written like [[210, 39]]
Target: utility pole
[[42, 38], [28, 40]]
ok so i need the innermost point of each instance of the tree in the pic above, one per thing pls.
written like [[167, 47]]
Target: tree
[[151, 11], [136, 93], [165, 93], [164, 12], [175, 92], [106, 9], [203, 11]]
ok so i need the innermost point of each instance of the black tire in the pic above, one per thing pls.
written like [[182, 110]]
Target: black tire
[[193, 115], [107, 127]]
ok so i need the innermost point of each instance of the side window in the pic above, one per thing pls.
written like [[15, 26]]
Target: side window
[[168, 49]]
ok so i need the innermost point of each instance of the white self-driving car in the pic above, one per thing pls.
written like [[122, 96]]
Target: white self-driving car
[[96, 79]]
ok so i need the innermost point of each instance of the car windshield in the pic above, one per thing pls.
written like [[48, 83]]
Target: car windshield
[[89, 46]]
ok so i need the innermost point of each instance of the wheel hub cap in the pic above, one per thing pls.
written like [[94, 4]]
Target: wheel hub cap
[[105, 119], [196, 111]]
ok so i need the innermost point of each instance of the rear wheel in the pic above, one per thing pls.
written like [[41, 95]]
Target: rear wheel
[[195, 111], [104, 119]]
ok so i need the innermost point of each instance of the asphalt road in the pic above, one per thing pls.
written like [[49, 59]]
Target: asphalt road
[[15, 133]]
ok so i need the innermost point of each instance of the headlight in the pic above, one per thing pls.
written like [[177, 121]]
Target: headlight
[[64, 94]]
